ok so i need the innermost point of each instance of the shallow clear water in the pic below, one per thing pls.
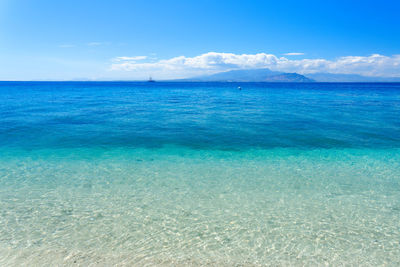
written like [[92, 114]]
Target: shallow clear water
[[199, 174]]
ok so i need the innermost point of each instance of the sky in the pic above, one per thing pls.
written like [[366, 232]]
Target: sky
[[132, 40]]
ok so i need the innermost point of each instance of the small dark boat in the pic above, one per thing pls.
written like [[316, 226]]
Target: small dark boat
[[151, 80]]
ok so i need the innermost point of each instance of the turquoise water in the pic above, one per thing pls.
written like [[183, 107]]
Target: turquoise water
[[199, 174]]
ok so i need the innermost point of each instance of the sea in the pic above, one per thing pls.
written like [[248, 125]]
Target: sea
[[199, 174]]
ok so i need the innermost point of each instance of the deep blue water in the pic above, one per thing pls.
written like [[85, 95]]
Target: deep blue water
[[175, 174], [199, 115]]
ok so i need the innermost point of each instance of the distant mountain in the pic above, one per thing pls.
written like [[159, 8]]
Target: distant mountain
[[238, 75], [330, 77], [289, 77], [267, 75], [252, 75]]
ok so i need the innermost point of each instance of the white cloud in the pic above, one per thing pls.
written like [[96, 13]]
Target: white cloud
[[294, 54], [136, 58], [212, 62]]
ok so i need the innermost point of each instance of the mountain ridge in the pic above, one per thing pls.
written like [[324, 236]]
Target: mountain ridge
[[267, 75], [251, 75], [341, 77]]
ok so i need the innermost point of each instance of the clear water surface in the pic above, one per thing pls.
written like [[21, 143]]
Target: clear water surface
[[108, 173]]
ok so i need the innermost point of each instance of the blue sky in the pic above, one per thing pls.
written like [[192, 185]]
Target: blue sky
[[63, 40]]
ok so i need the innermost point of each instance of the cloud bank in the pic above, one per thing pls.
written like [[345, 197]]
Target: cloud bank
[[212, 62], [294, 54], [125, 59]]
